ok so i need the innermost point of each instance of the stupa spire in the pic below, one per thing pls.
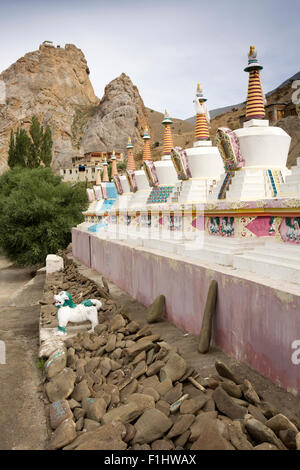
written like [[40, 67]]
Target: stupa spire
[[146, 151], [202, 117], [114, 169], [98, 176], [168, 139], [130, 158], [255, 108], [105, 178]]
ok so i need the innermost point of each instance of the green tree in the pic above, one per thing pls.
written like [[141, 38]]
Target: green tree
[[46, 147], [11, 151], [22, 148], [36, 133], [37, 212], [31, 150]]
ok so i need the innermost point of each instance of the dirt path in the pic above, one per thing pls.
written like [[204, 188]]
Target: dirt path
[[204, 363], [22, 415]]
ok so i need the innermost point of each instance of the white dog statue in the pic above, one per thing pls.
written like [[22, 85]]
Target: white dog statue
[[70, 312]]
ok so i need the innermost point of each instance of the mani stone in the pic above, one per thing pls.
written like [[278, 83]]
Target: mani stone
[[182, 424], [174, 369], [56, 363], [156, 310], [288, 437], [103, 438], [63, 435], [81, 391], [249, 393], [59, 411], [162, 444], [280, 423], [151, 426], [226, 404], [194, 404], [95, 408], [224, 371], [142, 401], [211, 438], [237, 438], [232, 389], [261, 433], [61, 385], [124, 413], [210, 308]]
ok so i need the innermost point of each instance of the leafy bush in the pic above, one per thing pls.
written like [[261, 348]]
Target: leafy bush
[[37, 212]]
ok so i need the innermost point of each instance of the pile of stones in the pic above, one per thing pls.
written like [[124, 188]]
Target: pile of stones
[[122, 387]]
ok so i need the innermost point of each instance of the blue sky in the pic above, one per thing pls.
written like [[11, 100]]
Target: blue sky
[[166, 47]]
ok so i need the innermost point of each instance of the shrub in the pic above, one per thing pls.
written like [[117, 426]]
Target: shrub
[[37, 212]]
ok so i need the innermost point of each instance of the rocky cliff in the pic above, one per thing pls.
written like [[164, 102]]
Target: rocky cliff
[[54, 84], [120, 114]]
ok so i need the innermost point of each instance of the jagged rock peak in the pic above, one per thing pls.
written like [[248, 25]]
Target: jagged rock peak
[[120, 114], [53, 83]]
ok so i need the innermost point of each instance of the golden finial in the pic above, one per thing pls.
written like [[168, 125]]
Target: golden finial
[[252, 52], [198, 87], [129, 140]]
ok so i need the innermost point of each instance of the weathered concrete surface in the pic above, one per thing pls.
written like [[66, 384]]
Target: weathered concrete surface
[[188, 347], [22, 414], [251, 316]]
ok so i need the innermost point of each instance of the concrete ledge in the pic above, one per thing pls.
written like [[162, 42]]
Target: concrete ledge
[[256, 321]]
